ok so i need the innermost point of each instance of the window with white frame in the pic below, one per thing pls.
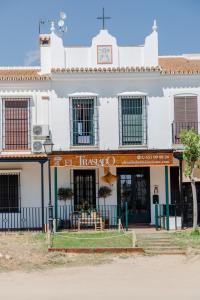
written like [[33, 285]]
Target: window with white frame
[[9, 192], [84, 121], [133, 120]]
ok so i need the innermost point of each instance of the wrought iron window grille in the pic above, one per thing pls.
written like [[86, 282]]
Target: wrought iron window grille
[[84, 121], [132, 121], [10, 193]]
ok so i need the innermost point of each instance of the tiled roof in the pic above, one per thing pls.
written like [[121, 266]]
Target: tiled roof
[[39, 155], [167, 65], [179, 65], [107, 70], [21, 74]]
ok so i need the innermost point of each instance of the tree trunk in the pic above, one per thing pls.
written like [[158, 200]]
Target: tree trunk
[[194, 197]]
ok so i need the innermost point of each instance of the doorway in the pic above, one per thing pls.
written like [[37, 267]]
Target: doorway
[[134, 187], [84, 188]]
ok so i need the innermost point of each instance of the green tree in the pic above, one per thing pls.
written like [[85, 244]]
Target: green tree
[[191, 154]]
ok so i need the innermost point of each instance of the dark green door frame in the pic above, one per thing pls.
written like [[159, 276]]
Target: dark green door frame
[[42, 192], [135, 218], [167, 195], [56, 192]]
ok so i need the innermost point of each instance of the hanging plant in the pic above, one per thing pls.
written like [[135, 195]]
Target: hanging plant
[[65, 194], [104, 192]]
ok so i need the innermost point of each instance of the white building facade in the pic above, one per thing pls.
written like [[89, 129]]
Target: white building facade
[[114, 114]]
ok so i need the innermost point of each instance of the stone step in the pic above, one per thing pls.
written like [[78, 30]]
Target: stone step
[[157, 246], [149, 242], [153, 236], [155, 240], [169, 252], [162, 248]]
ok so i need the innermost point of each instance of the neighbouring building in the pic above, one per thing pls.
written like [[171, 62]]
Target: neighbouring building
[[114, 114]]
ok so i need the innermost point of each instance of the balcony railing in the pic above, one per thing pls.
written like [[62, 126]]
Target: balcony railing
[[177, 127]]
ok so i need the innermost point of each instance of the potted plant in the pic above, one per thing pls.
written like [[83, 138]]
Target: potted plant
[[65, 194], [104, 192]]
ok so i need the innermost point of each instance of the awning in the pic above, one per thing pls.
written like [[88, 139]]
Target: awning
[[38, 157]]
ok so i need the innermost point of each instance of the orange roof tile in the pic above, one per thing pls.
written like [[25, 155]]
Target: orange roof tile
[[179, 65], [107, 70], [167, 65], [21, 74], [38, 155]]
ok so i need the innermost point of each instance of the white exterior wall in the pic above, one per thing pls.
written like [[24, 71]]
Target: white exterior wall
[[160, 105], [77, 57], [30, 196], [55, 111], [55, 55], [131, 56], [30, 181], [159, 89], [157, 177]]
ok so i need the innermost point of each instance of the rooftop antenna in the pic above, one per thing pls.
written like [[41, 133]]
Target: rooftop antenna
[[41, 23], [56, 26], [62, 29]]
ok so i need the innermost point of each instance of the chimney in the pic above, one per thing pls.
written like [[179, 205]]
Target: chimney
[[52, 51]]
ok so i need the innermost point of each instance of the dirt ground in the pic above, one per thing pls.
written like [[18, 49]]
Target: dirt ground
[[28, 271], [141, 277]]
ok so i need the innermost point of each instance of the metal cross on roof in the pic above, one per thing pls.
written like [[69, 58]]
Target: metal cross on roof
[[103, 18]]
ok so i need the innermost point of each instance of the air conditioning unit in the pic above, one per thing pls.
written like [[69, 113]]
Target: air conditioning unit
[[40, 130], [38, 146]]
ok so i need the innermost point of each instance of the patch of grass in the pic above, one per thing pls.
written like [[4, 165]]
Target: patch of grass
[[29, 252], [186, 240], [195, 232], [108, 239]]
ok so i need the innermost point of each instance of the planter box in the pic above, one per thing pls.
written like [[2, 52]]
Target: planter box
[[175, 223]]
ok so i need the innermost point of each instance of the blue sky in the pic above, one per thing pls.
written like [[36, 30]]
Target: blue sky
[[178, 24]]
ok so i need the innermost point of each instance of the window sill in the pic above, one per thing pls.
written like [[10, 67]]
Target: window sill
[[15, 152], [85, 147], [177, 146], [129, 147]]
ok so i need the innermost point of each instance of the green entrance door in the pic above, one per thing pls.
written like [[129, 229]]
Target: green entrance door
[[134, 187]]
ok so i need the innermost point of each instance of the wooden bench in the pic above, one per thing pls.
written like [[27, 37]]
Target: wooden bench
[[90, 220]]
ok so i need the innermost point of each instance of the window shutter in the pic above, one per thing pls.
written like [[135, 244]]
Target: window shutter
[[185, 109], [179, 109], [191, 109], [16, 124]]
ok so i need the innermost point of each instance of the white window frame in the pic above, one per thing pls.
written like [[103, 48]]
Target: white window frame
[[144, 118], [94, 97], [2, 129]]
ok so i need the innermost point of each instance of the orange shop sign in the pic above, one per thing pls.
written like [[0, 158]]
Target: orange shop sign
[[112, 160]]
